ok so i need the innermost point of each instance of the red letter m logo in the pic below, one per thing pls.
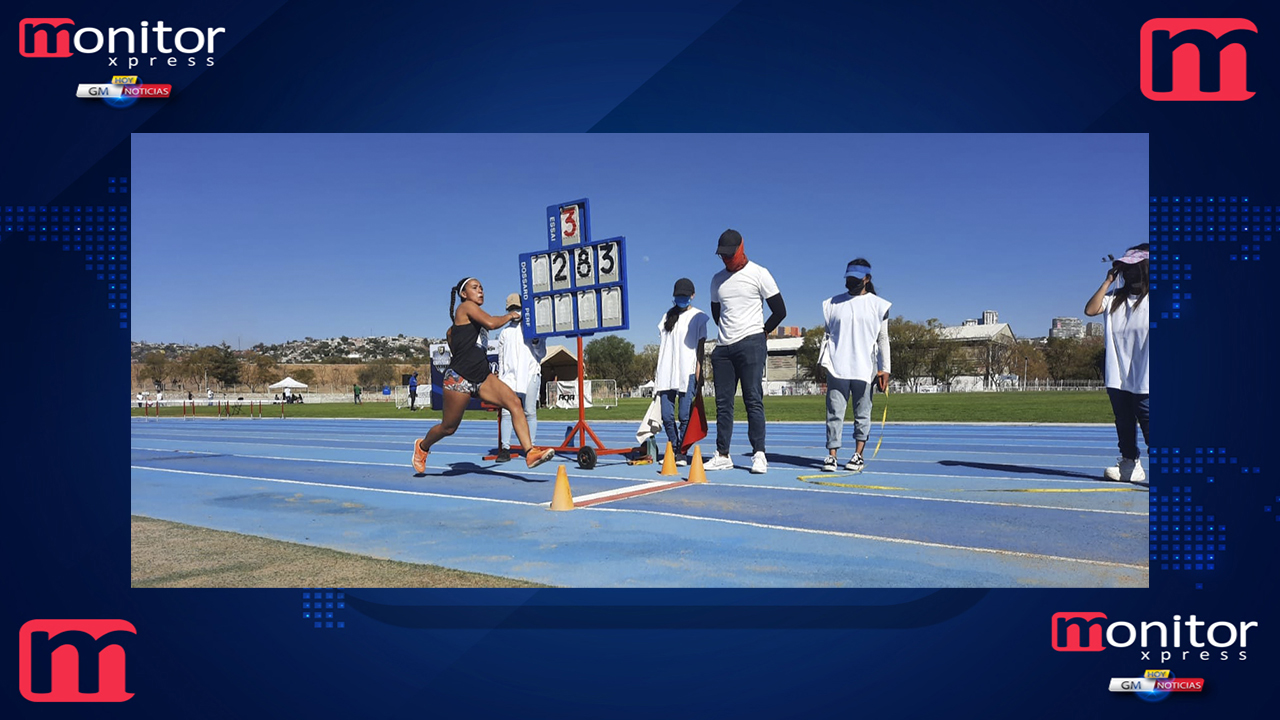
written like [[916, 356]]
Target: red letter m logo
[[74, 660], [40, 37], [1076, 632], [1197, 59]]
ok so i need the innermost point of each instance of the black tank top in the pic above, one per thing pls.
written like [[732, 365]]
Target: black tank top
[[469, 344]]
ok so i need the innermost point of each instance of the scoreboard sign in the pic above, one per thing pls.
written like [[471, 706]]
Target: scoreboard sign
[[577, 286]]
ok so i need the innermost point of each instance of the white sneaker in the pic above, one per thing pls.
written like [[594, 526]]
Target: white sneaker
[[719, 462], [855, 463], [759, 465], [681, 462], [1126, 470]]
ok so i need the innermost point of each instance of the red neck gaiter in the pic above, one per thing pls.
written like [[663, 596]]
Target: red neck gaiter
[[738, 260]]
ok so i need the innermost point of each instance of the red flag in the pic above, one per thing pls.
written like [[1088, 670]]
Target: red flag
[[697, 428]]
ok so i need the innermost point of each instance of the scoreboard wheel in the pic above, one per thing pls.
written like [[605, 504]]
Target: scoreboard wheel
[[586, 458]]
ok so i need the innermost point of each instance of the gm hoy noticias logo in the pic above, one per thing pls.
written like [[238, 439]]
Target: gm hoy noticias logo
[[1176, 640], [1198, 59], [74, 660]]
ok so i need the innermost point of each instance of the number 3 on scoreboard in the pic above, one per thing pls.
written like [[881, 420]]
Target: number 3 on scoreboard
[[609, 263], [569, 234]]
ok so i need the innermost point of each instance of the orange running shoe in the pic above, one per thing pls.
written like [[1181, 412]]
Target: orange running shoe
[[536, 456], [419, 457]]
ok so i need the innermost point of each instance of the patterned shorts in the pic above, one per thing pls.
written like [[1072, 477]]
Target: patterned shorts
[[455, 382]]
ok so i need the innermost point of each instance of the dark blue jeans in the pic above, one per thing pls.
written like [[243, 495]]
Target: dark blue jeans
[[671, 400], [1131, 411], [742, 362]]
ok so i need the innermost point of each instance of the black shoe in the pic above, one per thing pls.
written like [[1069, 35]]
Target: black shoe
[[504, 455]]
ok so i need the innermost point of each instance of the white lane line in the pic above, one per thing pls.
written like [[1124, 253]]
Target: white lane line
[[890, 494], [642, 481], [868, 473], [658, 486], [878, 538], [807, 531], [256, 439], [336, 486], [1100, 444], [403, 466]]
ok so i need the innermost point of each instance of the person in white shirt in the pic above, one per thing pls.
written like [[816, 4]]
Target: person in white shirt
[[854, 350], [139, 399], [520, 367], [1126, 327], [682, 335], [210, 397], [738, 295]]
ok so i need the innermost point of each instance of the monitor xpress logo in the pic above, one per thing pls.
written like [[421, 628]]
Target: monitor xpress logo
[[142, 46], [1197, 59], [1084, 632], [74, 660]]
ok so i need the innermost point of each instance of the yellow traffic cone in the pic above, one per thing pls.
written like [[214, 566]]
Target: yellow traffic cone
[[696, 473], [669, 462], [563, 497]]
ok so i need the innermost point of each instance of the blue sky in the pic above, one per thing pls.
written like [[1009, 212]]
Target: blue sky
[[266, 238]]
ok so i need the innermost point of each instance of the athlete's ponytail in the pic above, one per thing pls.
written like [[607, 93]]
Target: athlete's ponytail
[[454, 294]]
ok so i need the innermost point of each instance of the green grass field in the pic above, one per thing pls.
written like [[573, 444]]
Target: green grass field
[[1047, 407]]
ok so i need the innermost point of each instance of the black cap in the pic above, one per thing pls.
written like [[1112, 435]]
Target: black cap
[[730, 240], [684, 286]]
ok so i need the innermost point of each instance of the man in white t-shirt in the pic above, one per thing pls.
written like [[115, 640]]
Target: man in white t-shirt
[[738, 295], [210, 395], [520, 367]]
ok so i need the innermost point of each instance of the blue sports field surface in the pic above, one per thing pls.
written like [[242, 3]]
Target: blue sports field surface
[[940, 506]]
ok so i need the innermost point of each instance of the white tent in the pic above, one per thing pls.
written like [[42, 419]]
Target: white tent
[[289, 383]]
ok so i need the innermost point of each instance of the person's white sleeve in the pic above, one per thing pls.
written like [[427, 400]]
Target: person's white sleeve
[[882, 347], [506, 361], [715, 288], [768, 288]]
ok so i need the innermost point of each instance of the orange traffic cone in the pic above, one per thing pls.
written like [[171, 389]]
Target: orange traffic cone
[[669, 462], [696, 473], [563, 497]]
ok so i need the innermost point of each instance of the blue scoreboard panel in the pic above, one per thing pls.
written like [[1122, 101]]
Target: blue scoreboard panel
[[577, 286]]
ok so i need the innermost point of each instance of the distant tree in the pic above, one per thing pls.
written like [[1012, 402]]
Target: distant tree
[[1074, 358], [155, 367], [377, 373], [259, 370], [225, 368], [611, 357], [807, 355], [306, 376], [201, 362], [949, 361], [1027, 362], [912, 347], [645, 365]]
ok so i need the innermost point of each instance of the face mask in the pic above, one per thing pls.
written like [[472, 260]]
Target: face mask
[[854, 285], [681, 301]]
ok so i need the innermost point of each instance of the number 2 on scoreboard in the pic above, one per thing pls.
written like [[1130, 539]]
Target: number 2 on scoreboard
[[560, 270]]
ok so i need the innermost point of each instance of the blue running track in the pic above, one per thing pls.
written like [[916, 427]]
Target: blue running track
[[941, 506]]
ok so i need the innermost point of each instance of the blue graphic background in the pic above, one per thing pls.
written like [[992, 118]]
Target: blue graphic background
[[651, 66]]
